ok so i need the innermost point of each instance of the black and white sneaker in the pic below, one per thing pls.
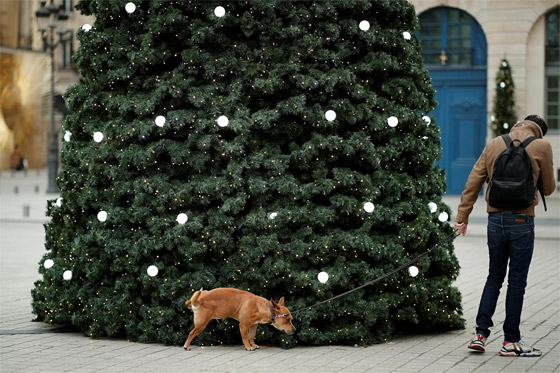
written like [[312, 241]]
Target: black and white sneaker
[[514, 349], [478, 343]]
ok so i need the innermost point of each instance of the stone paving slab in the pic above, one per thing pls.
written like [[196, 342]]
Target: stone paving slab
[[27, 346]]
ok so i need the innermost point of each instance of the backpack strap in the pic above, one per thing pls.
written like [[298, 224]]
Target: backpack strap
[[528, 141], [539, 187], [507, 140]]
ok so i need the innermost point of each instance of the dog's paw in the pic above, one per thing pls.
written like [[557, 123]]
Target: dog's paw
[[250, 348], [187, 348]]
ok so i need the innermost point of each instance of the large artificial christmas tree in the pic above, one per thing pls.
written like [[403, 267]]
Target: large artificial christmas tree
[[504, 116], [249, 145]]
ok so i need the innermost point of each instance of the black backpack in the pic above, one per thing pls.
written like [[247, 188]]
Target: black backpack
[[512, 186]]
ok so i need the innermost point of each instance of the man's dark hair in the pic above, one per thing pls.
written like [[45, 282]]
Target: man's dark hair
[[540, 121]]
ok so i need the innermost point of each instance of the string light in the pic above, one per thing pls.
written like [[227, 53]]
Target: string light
[[98, 137], [330, 115], [182, 218], [102, 216], [152, 271], [160, 121], [130, 7], [48, 263], [223, 121], [220, 11]]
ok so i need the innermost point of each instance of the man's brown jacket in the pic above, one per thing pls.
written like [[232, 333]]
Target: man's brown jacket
[[538, 150]]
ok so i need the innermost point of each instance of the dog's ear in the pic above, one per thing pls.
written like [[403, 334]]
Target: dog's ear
[[274, 305], [281, 302]]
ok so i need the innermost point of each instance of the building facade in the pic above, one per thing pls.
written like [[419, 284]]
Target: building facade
[[25, 72], [464, 42]]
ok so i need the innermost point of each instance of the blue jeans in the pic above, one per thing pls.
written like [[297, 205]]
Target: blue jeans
[[511, 237]]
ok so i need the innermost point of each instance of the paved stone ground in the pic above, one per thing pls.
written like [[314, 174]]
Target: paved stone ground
[[26, 346]]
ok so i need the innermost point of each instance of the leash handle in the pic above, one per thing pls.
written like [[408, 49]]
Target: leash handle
[[454, 235]]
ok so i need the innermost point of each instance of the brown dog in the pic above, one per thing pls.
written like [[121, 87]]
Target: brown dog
[[247, 308]]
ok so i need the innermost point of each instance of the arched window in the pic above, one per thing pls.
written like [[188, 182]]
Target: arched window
[[454, 49], [451, 37], [552, 68]]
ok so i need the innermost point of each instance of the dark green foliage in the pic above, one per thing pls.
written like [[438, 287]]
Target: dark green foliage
[[273, 68], [504, 116]]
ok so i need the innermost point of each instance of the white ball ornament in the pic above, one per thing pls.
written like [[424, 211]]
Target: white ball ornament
[[443, 216], [102, 216], [406, 35], [502, 84], [223, 121], [86, 27], [369, 207], [413, 270], [506, 126], [67, 136], [160, 120], [98, 137], [67, 275], [130, 7], [392, 121], [364, 25], [273, 215], [330, 115], [432, 206], [427, 119], [152, 271], [48, 263], [219, 11], [182, 218], [323, 277]]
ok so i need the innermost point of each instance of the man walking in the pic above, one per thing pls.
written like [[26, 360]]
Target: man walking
[[510, 231]]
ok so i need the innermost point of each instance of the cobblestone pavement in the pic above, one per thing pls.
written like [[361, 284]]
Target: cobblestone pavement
[[27, 346]]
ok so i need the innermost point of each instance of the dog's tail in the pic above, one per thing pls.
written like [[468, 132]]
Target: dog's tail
[[193, 303]]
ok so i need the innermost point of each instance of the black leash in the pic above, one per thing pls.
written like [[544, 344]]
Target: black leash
[[454, 235]]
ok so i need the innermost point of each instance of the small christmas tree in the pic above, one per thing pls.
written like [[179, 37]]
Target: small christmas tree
[[250, 144], [504, 101]]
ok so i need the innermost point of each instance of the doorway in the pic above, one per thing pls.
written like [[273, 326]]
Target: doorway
[[455, 51]]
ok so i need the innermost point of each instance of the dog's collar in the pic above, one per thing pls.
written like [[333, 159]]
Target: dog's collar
[[274, 316], [271, 312]]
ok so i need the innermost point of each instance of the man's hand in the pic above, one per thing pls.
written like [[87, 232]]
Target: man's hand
[[461, 228]]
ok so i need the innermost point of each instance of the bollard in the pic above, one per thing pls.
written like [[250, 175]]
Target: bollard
[[26, 211]]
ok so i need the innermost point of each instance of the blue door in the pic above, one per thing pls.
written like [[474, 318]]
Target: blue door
[[454, 50]]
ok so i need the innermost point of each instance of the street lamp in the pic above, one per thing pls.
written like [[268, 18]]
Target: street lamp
[[49, 19]]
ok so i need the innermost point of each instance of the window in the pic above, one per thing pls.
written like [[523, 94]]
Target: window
[[451, 37], [552, 69]]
